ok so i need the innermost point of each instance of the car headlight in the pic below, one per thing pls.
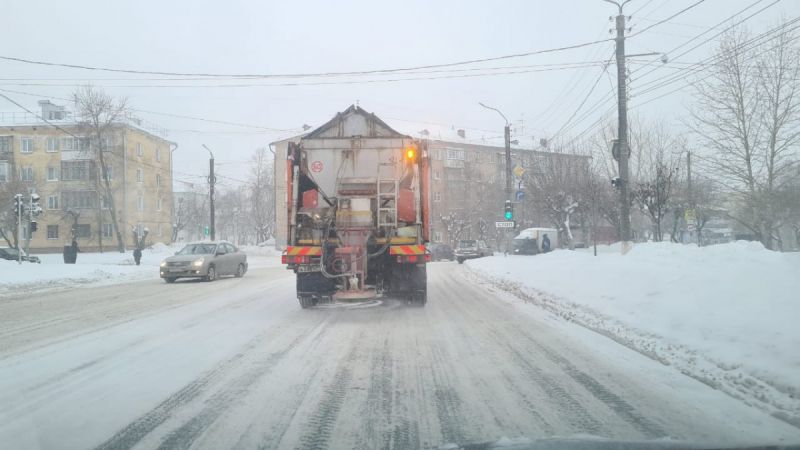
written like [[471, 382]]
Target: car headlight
[[198, 262], [163, 264]]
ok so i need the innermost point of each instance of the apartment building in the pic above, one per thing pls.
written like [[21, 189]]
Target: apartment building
[[57, 161]]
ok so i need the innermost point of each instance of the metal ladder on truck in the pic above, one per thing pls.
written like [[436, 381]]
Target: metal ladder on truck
[[387, 203]]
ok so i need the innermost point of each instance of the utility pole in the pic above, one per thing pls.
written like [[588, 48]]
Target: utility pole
[[19, 206], [622, 133], [509, 200], [211, 181]]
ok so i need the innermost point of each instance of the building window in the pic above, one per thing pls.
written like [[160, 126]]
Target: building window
[[76, 170], [437, 236], [158, 154], [140, 175], [5, 144], [436, 175], [158, 180], [455, 153], [79, 199], [140, 203], [52, 174], [52, 202], [139, 150], [26, 145], [52, 232], [159, 230], [83, 230], [3, 171], [158, 204], [104, 203], [437, 196], [109, 173], [74, 144], [108, 230], [437, 154], [26, 174], [52, 144]]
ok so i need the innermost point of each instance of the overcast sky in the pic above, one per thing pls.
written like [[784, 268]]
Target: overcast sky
[[267, 37]]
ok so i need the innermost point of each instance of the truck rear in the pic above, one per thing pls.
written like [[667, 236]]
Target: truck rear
[[358, 207]]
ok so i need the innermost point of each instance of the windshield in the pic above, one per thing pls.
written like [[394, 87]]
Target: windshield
[[197, 249], [402, 224]]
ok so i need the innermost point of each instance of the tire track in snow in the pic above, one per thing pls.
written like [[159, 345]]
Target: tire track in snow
[[320, 425], [615, 403]]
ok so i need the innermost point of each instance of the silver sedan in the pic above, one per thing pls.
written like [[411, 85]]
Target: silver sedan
[[206, 260]]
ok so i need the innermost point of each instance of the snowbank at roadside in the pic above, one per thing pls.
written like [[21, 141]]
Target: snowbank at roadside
[[105, 268], [91, 268], [725, 314]]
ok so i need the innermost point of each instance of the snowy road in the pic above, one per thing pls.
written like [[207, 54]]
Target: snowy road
[[237, 364]]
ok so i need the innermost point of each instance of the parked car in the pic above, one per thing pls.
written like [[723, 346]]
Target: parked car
[[470, 249], [529, 240], [206, 260], [441, 252], [12, 254]]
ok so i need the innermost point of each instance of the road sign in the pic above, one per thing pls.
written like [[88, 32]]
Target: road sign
[[690, 216], [519, 171], [615, 149], [504, 224], [520, 195]]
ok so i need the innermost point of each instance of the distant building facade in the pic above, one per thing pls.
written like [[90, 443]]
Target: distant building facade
[[56, 163]]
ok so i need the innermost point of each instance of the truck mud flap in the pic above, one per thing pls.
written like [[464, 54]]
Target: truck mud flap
[[409, 282]]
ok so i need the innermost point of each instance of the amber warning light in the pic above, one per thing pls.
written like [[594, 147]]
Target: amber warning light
[[410, 154]]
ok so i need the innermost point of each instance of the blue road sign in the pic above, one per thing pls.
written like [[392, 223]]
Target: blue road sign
[[520, 195]]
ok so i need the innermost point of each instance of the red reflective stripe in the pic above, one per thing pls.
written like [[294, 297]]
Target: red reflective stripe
[[304, 251]]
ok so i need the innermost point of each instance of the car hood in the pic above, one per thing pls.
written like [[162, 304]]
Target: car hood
[[186, 258]]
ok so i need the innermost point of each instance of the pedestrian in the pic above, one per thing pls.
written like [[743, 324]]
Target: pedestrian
[[137, 255], [545, 244], [75, 246]]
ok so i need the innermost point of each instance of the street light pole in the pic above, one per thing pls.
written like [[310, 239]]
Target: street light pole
[[622, 133], [507, 136], [211, 181]]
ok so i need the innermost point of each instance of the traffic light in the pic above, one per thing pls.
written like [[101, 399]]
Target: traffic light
[[410, 154], [36, 209], [17, 201], [509, 214]]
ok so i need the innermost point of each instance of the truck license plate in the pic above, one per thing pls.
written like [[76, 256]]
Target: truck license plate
[[305, 269]]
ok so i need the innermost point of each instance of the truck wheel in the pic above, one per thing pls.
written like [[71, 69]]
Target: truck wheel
[[461, 260], [307, 302]]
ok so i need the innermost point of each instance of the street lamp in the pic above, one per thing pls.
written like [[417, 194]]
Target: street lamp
[[211, 180], [507, 135]]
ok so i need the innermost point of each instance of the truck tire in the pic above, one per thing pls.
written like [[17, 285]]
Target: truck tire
[[461, 260], [307, 301]]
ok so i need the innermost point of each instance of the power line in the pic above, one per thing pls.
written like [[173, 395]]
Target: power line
[[180, 116], [311, 83], [301, 75], [693, 5]]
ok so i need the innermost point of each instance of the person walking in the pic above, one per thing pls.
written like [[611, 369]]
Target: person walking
[[137, 255], [545, 244]]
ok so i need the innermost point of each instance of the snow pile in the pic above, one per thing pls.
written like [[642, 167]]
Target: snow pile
[[725, 314], [90, 268]]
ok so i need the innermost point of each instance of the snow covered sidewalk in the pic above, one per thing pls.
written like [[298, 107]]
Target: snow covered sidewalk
[[727, 315], [105, 268]]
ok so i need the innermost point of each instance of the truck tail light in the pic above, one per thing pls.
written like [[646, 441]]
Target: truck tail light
[[290, 259], [284, 259], [412, 259], [427, 257]]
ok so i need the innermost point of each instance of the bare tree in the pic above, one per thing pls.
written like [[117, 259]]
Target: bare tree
[[747, 115], [261, 193], [559, 185], [98, 114]]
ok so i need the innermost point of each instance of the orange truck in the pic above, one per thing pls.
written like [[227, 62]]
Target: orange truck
[[358, 202]]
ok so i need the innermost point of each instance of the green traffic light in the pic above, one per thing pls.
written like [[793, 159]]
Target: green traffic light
[[509, 215]]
